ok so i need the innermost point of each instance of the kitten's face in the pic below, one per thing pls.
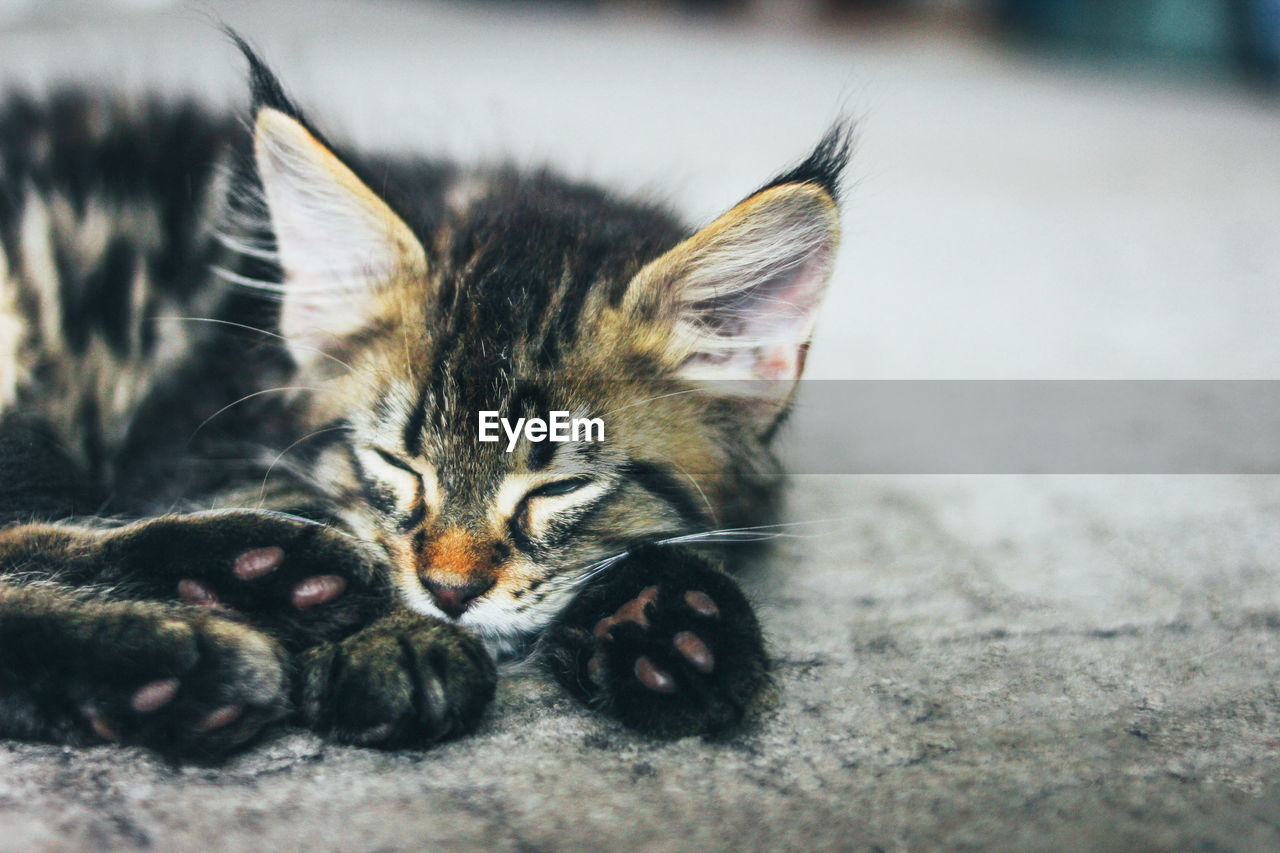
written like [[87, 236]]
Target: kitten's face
[[499, 540], [536, 297]]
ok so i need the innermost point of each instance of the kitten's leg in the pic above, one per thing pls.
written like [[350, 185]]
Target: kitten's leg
[[300, 581], [407, 680], [75, 669], [666, 643], [399, 680]]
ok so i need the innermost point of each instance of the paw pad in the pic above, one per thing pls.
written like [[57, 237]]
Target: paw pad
[[657, 680], [219, 718], [318, 590], [154, 696], [100, 726], [666, 644], [686, 644], [695, 651], [194, 592], [258, 562], [701, 603]]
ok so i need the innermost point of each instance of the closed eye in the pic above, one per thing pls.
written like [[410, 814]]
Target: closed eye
[[415, 490], [559, 487], [562, 499], [393, 461]]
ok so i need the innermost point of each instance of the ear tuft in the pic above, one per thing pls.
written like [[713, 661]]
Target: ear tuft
[[264, 86], [265, 90], [825, 165]]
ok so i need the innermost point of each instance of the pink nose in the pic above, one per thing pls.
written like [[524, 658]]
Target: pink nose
[[454, 599]]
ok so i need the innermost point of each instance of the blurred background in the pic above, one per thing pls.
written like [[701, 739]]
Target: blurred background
[[1077, 189], [1237, 36]]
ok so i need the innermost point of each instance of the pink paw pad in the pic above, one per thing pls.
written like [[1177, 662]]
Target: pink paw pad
[[687, 644], [657, 680], [631, 611], [194, 592], [695, 651], [701, 603], [318, 590], [258, 562], [100, 726], [219, 718], [154, 696]]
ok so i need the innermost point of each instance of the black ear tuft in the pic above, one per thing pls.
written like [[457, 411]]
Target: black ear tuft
[[825, 166], [264, 86]]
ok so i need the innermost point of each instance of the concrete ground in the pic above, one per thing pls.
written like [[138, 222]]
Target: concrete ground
[[965, 662]]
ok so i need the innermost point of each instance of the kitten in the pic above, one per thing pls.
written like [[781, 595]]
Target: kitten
[[228, 504]]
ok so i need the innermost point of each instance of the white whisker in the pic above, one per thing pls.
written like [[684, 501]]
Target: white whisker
[[247, 397], [651, 399], [269, 334], [758, 533], [262, 250], [728, 535], [711, 510], [262, 495], [273, 287], [588, 573]]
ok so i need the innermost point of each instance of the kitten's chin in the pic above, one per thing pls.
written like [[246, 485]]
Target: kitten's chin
[[505, 633], [504, 638]]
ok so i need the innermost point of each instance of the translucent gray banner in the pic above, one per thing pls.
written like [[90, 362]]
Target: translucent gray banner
[[1033, 427]]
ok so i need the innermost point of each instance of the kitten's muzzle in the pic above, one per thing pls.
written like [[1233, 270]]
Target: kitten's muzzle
[[454, 600], [456, 568]]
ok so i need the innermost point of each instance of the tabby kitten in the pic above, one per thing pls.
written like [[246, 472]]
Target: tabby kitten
[[240, 471]]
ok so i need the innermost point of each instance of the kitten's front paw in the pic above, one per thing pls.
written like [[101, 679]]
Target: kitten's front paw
[[302, 581], [405, 681], [182, 682], [668, 645]]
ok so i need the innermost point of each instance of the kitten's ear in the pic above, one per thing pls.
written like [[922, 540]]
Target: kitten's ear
[[339, 244], [743, 293]]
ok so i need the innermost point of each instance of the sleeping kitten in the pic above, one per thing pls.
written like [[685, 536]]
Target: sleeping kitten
[[240, 466]]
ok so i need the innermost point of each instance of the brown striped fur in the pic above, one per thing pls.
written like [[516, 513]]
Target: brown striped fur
[[195, 315]]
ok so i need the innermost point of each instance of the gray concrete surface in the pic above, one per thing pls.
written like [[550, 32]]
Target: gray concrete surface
[[976, 662], [990, 663]]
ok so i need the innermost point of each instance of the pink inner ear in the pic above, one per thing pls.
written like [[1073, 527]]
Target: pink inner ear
[[763, 331], [777, 362]]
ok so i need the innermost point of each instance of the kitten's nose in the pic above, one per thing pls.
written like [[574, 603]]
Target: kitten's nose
[[454, 599]]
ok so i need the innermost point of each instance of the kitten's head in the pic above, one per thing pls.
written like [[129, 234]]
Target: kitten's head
[[413, 309]]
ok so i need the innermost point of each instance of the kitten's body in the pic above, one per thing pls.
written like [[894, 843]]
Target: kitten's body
[[141, 381]]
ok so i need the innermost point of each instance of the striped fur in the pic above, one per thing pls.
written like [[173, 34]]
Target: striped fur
[[196, 313]]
